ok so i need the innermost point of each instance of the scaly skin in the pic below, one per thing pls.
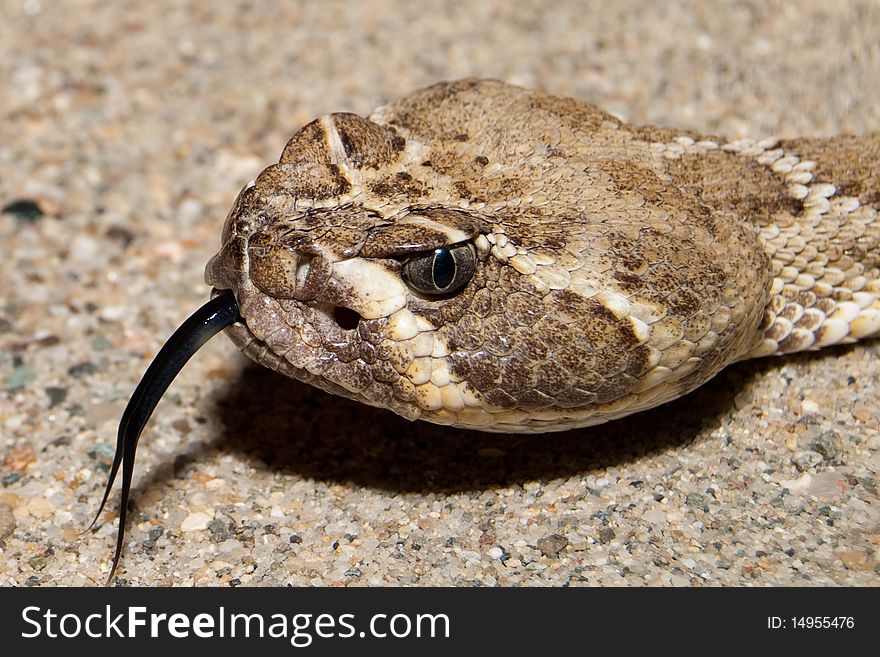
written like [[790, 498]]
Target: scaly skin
[[619, 267]]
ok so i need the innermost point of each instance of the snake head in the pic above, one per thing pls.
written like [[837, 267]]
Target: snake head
[[426, 262], [346, 272]]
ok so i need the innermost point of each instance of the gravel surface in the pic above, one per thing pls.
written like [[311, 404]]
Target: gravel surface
[[126, 130]]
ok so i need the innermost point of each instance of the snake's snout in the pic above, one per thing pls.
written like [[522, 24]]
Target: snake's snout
[[226, 270]]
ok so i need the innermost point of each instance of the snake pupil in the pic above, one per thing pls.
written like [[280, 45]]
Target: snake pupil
[[443, 271]]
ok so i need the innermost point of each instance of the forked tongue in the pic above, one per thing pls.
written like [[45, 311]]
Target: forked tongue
[[201, 326]]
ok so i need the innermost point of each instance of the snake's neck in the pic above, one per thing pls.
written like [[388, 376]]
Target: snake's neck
[[816, 205]]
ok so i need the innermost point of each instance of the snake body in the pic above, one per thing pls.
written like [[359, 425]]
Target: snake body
[[614, 267]]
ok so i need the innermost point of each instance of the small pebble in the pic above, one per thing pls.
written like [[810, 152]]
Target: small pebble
[[11, 478], [102, 452], [100, 343], [49, 341], [697, 501], [120, 234], [551, 545], [56, 395], [24, 210], [80, 370], [825, 444], [20, 457], [806, 459], [220, 530], [19, 378], [181, 425], [825, 486], [196, 522], [606, 535], [856, 560], [37, 563], [655, 516], [7, 521]]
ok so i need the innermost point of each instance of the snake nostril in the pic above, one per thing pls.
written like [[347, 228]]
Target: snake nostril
[[347, 318]]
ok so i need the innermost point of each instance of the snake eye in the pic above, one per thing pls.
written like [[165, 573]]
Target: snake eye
[[442, 271]]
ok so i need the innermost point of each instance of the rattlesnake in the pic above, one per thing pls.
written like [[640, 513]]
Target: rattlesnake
[[488, 257], [613, 267]]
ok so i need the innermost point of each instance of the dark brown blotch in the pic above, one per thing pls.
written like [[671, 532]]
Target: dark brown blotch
[[479, 368], [729, 182], [399, 184], [851, 163], [303, 179], [367, 144], [615, 387]]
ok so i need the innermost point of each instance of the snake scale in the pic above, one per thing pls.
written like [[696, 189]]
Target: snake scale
[[488, 257]]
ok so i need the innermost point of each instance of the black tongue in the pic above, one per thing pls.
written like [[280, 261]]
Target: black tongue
[[201, 326]]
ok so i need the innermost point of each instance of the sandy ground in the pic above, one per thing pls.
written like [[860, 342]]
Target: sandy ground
[[132, 125]]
